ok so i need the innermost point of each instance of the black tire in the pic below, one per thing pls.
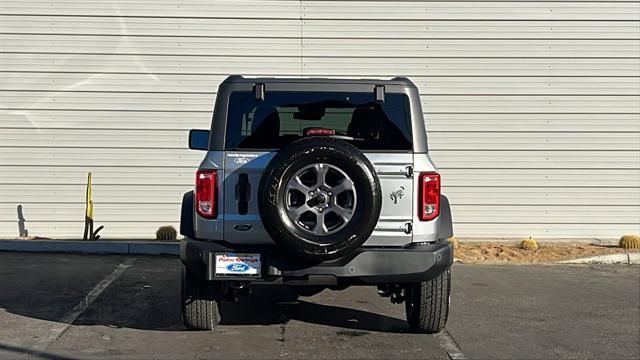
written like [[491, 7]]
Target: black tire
[[306, 291], [285, 164], [427, 304], [201, 302]]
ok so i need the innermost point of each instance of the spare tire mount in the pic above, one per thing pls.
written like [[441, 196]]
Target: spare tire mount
[[319, 198]]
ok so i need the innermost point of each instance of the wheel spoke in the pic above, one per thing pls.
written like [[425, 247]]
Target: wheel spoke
[[344, 213], [321, 228], [297, 184], [321, 170], [343, 186], [295, 212]]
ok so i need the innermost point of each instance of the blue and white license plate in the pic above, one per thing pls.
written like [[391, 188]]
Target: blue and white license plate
[[234, 264]]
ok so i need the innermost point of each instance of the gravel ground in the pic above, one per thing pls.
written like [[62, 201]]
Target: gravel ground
[[501, 253]]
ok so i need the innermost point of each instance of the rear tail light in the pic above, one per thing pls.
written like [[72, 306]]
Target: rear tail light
[[206, 193], [428, 196]]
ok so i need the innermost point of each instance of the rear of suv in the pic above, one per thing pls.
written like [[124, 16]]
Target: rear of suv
[[316, 184]]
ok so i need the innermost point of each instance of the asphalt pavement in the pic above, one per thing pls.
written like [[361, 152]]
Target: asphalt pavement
[[62, 306]]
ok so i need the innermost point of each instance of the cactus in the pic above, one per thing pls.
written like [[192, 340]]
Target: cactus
[[166, 233], [630, 242], [529, 244]]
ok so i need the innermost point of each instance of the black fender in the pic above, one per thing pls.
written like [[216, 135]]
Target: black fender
[[186, 216], [445, 230]]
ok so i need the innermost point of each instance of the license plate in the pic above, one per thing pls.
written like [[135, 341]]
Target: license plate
[[233, 264]]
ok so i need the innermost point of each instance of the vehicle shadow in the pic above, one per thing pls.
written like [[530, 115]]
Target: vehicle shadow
[[16, 351], [147, 297], [265, 306], [278, 305]]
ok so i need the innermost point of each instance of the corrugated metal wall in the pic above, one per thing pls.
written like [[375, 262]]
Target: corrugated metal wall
[[533, 107]]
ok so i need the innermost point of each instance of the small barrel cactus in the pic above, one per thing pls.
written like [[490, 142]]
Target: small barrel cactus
[[166, 233], [630, 242], [529, 244]]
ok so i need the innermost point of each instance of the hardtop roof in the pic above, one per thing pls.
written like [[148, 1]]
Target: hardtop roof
[[317, 80]]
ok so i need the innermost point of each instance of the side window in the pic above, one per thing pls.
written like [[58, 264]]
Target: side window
[[247, 123]]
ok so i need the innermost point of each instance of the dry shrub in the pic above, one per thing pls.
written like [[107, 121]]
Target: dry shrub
[[529, 244], [454, 243], [630, 242], [166, 233]]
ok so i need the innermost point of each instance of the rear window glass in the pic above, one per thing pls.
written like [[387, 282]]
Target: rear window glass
[[284, 117]]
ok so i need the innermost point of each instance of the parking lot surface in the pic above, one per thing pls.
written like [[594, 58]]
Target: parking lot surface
[[86, 306]]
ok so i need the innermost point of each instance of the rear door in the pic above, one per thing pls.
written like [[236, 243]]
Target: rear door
[[258, 128], [242, 172], [394, 171]]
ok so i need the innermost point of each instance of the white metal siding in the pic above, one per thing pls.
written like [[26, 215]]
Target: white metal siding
[[532, 107]]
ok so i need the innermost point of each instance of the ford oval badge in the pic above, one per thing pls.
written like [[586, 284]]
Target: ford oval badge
[[241, 160], [242, 227], [238, 267]]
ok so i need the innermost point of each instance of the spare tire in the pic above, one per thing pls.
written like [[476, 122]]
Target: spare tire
[[319, 198]]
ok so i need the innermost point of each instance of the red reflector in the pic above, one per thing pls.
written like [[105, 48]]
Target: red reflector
[[319, 132], [428, 196], [206, 189]]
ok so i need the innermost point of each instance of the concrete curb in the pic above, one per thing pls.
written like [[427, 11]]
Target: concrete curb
[[93, 247], [492, 240], [623, 258]]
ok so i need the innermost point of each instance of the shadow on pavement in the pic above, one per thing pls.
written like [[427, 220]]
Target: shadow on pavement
[[278, 305], [266, 306], [147, 296], [10, 352]]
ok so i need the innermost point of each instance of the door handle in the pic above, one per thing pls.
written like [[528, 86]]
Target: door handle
[[243, 194]]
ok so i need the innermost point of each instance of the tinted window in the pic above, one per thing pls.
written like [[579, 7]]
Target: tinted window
[[284, 117]]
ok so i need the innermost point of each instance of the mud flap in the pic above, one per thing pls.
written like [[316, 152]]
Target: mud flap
[[186, 216], [446, 224]]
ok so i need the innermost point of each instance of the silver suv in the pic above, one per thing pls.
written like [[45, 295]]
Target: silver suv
[[316, 184]]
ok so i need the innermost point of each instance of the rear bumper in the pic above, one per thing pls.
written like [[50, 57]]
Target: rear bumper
[[366, 266]]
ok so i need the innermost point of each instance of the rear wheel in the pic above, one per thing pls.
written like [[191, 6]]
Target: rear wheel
[[201, 302], [427, 303]]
